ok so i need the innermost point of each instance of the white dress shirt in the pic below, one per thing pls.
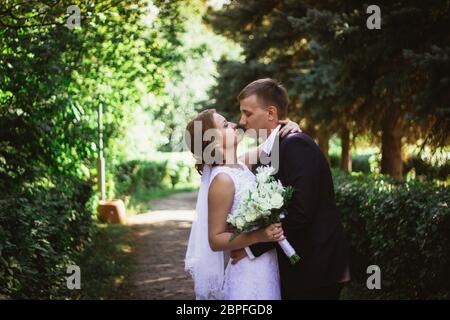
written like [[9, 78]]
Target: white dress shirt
[[266, 147]]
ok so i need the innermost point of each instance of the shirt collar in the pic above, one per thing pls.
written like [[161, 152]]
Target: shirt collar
[[268, 144]]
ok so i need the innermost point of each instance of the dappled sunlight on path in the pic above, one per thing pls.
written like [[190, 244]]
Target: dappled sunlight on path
[[161, 239]]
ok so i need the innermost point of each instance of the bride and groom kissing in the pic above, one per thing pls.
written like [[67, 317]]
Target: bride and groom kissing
[[258, 268]]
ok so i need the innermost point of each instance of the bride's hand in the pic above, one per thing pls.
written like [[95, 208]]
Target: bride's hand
[[290, 127], [272, 233]]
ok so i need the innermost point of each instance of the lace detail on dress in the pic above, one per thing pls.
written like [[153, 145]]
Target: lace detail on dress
[[243, 180], [256, 279]]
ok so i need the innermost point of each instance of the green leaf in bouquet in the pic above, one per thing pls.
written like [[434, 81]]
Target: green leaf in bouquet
[[235, 234], [288, 193], [273, 218], [294, 259]]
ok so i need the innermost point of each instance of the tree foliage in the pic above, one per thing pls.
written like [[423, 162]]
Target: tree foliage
[[392, 82], [52, 80]]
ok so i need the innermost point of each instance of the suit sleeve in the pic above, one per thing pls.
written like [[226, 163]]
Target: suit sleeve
[[262, 247], [300, 162]]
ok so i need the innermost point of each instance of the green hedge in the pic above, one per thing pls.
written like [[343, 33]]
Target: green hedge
[[166, 171], [423, 168], [360, 163], [404, 228], [42, 231], [136, 174]]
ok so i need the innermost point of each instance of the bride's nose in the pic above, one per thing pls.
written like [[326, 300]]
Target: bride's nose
[[233, 125]]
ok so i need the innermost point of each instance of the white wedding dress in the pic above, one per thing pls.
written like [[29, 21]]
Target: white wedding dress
[[256, 279]]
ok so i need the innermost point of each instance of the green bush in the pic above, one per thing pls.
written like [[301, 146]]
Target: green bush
[[335, 160], [42, 231], [178, 172], [136, 174], [425, 169], [360, 163], [180, 166], [166, 171], [422, 168], [404, 228]]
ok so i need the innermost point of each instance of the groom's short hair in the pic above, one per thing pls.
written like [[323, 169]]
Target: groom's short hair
[[270, 93]]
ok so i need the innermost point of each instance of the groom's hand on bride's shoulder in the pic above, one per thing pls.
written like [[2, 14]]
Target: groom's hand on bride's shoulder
[[237, 255]]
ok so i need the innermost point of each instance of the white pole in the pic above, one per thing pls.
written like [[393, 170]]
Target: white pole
[[101, 160]]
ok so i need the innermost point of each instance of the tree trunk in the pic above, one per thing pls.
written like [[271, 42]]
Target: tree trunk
[[324, 138], [310, 130], [346, 155], [391, 147]]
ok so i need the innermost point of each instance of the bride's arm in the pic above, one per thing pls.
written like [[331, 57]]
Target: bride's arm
[[220, 200]]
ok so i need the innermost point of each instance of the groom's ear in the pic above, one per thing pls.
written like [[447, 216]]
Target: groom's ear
[[273, 112]]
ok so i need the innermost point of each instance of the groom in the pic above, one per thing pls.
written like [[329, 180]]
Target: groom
[[312, 225]]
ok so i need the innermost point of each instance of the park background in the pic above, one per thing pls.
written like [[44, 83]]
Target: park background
[[376, 101]]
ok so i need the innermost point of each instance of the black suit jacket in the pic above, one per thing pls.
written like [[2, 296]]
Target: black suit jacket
[[313, 225]]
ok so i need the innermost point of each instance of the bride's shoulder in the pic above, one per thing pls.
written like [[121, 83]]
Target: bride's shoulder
[[221, 184], [221, 177]]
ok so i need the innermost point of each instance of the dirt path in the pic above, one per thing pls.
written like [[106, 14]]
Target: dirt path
[[160, 245]]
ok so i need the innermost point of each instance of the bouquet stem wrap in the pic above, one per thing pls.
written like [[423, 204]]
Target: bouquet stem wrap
[[289, 251]]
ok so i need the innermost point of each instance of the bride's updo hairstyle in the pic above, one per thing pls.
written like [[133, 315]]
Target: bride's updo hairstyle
[[206, 118]]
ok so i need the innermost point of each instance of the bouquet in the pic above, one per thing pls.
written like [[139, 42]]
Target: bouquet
[[264, 205]]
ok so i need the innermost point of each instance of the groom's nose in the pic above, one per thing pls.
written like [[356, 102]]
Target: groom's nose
[[243, 121]]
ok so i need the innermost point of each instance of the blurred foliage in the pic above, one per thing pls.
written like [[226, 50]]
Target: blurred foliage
[[420, 167], [138, 174], [161, 171], [391, 83], [402, 227], [52, 80], [139, 181], [42, 231], [425, 170], [109, 254]]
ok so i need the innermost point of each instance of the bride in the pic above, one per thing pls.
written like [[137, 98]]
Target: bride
[[225, 178]]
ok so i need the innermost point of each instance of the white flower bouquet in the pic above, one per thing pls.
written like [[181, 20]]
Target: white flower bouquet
[[265, 204]]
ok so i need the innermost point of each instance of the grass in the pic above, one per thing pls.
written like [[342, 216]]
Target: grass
[[106, 263]]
